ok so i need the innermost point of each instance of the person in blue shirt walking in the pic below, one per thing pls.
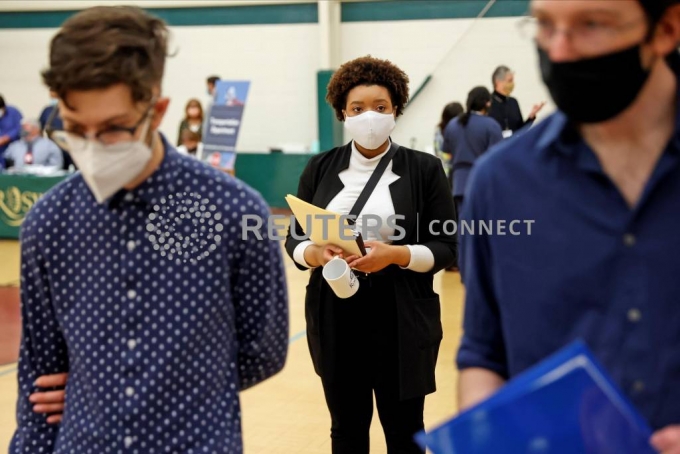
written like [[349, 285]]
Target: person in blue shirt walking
[[600, 179], [136, 279], [469, 136], [10, 127], [50, 114]]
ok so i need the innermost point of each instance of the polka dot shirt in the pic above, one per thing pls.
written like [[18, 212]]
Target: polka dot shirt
[[158, 307]]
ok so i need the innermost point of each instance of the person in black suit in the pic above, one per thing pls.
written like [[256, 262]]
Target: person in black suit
[[504, 108], [384, 340]]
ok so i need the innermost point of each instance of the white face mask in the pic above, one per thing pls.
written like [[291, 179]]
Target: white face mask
[[370, 129], [106, 168]]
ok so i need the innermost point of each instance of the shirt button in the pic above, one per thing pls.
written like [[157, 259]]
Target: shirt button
[[128, 441], [132, 294], [129, 391], [638, 386], [131, 246], [634, 315], [629, 239], [132, 344]]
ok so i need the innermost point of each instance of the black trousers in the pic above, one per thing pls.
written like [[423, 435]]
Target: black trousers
[[367, 365]]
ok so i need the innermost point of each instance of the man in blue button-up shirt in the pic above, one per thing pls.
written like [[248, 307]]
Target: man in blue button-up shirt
[[10, 127], [33, 149], [136, 279], [601, 180]]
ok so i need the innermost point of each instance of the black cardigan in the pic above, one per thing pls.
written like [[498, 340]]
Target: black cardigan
[[422, 195]]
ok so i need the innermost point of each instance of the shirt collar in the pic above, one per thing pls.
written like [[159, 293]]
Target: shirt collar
[[499, 97], [159, 185], [558, 122]]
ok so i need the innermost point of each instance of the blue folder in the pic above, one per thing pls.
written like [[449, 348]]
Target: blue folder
[[567, 404]]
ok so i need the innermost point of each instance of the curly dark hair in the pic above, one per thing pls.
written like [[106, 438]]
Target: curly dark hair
[[367, 71]]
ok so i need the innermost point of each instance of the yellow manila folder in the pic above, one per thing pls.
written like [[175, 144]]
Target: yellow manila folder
[[311, 216]]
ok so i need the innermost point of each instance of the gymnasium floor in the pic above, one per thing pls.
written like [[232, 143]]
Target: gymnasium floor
[[284, 415]]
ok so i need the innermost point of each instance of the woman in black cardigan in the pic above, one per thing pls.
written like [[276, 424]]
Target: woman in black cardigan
[[384, 339]]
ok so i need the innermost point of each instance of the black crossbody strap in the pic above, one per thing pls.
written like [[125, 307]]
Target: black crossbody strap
[[372, 182]]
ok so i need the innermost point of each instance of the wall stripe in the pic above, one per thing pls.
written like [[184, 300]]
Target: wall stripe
[[301, 13], [297, 13], [398, 10]]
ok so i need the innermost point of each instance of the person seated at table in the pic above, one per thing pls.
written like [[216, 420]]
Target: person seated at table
[[33, 149]]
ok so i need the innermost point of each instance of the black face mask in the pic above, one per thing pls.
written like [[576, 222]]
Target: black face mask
[[192, 151], [595, 89]]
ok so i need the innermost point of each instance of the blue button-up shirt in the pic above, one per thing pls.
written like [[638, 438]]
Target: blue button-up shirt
[[592, 268], [45, 153], [157, 307]]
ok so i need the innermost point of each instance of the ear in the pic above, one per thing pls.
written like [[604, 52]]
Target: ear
[[159, 112], [667, 32]]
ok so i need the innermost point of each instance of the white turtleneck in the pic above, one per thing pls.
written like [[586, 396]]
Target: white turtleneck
[[379, 204]]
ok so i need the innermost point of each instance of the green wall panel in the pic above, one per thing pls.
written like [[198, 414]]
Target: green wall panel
[[272, 174], [302, 13]]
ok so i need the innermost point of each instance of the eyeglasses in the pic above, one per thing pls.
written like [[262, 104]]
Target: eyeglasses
[[585, 34], [110, 136]]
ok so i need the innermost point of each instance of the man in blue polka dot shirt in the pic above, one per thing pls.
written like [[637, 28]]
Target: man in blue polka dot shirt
[[135, 278]]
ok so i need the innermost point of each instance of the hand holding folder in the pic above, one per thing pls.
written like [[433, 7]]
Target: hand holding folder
[[312, 218], [565, 405]]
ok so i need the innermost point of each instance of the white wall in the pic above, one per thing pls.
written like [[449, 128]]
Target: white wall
[[282, 60], [24, 53], [459, 54]]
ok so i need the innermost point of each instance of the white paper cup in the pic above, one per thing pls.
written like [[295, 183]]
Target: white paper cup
[[340, 278]]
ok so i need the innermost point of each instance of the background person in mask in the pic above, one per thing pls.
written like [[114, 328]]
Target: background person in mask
[[109, 294], [193, 120], [451, 111], [50, 114], [10, 127], [601, 180], [47, 114], [33, 149], [211, 87], [383, 340], [504, 108]]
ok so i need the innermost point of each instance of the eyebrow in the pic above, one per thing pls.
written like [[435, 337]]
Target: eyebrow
[[376, 100], [579, 14], [109, 120]]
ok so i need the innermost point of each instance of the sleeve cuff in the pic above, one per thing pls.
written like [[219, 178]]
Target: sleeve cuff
[[299, 253], [471, 354], [422, 258]]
